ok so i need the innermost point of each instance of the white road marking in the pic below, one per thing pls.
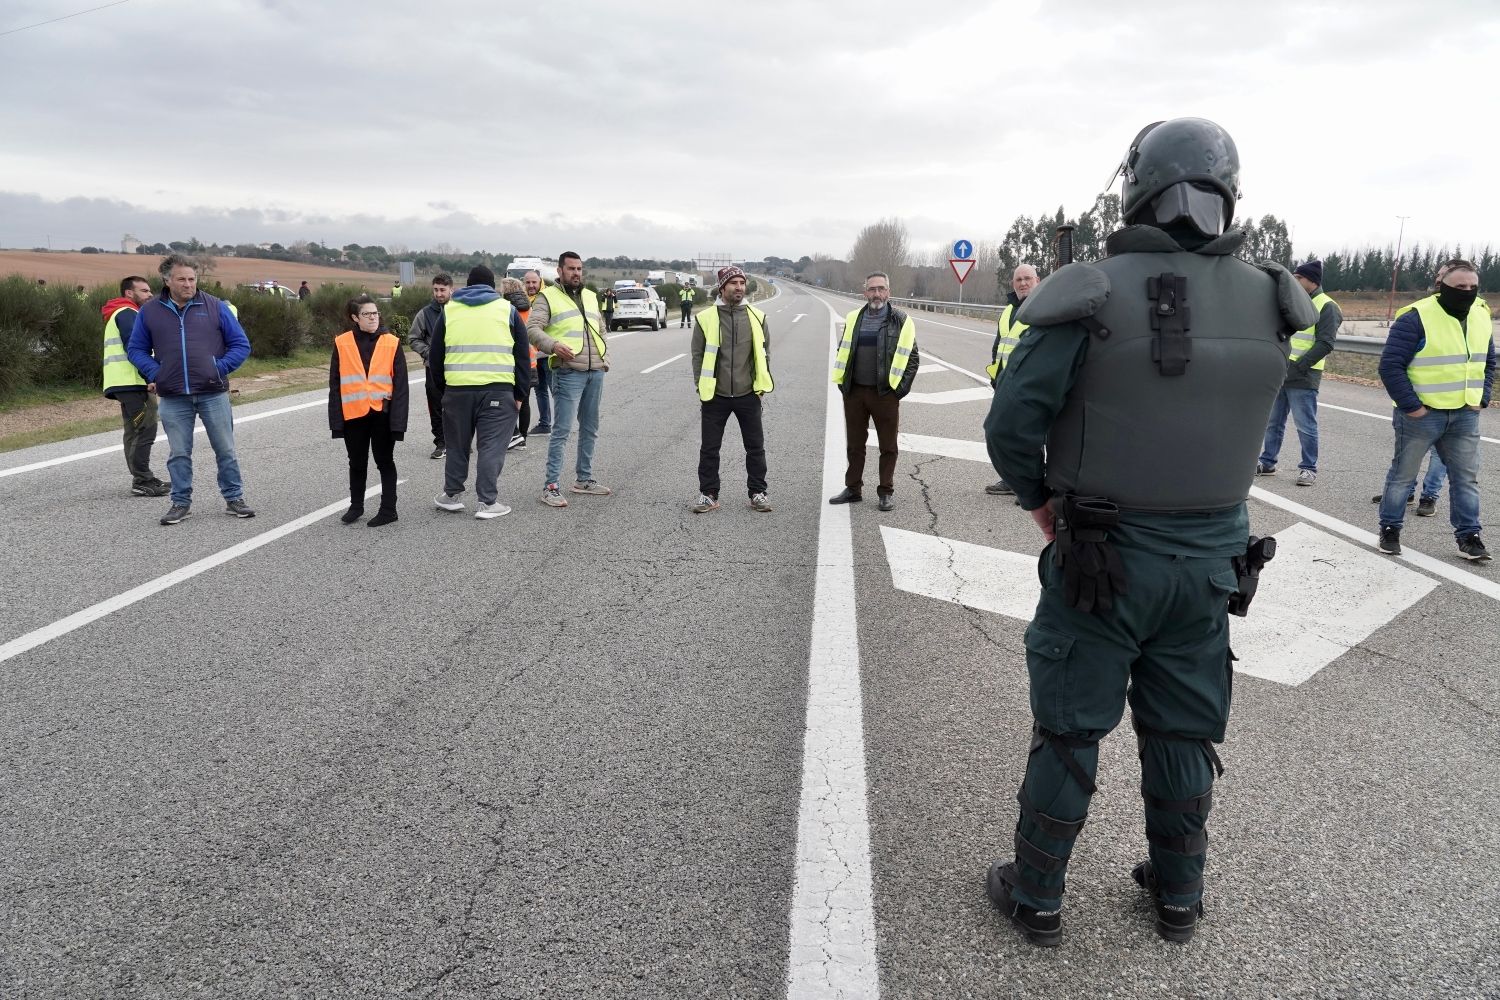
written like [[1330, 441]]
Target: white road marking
[[1318, 599], [832, 936], [975, 452], [983, 379], [1476, 583], [65, 459], [950, 396], [653, 368], [1383, 419], [961, 329], [45, 634], [798, 317]]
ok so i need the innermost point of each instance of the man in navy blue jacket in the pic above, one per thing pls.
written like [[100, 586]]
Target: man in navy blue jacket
[[185, 344]]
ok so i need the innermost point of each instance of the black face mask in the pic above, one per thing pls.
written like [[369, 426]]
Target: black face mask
[[1456, 301]]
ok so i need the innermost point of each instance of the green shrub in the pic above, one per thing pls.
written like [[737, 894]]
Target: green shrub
[[18, 347], [63, 330], [277, 327], [325, 308]]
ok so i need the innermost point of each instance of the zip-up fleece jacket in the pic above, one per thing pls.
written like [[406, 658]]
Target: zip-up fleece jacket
[[735, 368], [187, 350], [889, 335]]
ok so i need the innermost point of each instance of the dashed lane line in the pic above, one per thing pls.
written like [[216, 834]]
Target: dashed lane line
[[832, 936], [77, 620]]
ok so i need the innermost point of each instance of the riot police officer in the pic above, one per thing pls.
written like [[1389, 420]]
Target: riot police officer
[[1148, 376]]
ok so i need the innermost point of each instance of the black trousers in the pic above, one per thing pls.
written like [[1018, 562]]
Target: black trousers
[[138, 414], [687, 313], [716, 414], [362, 437], [434, 409]]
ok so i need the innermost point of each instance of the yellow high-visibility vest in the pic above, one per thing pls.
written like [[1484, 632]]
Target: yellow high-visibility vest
[[708, 381], [477, 345], [1448, 372], [1303, 340], [904, 344], [567, 324], [1009, 337], [119, 373]]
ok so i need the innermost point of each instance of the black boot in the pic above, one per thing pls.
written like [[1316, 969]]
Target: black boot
[[383, 516], [1173, 923], [354, 513], [1041, 928]]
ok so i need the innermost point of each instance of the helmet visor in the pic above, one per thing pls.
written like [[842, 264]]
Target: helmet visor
[[1193, 203]]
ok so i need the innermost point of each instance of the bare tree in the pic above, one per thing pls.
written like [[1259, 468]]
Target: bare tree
[[882, 246]]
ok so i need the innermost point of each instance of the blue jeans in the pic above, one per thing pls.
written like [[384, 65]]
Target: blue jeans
[[543, 387], [580, 393], [1432, 485], [1303, 405], [1455, 436], [177, 414]]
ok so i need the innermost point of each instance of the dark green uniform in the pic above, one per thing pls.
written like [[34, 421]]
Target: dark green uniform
[[1175, 449]]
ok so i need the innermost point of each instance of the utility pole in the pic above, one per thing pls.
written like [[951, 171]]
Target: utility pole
[[1390, 302]]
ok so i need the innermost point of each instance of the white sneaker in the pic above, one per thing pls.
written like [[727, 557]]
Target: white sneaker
[[516, 441], [489, 510], [445, 502]]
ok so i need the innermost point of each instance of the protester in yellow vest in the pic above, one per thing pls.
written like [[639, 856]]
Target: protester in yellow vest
[[685, 297], [567, 323], [876, 362], [1304, 374], [485, 376], [731, 352], [1007, 335], [123, 384], [367, 404], [1439, 368]]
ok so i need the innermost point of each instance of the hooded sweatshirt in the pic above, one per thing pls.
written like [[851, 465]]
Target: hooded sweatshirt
[[466, 298]]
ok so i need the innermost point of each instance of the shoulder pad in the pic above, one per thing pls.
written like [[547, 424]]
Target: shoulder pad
[[1294, 304], [1067, 295]]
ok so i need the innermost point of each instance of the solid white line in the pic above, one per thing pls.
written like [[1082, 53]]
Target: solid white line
[[1383, 419], [65, 459], [653, 368], [1478, 584], [832, 936], [982, 379], [93, 613]]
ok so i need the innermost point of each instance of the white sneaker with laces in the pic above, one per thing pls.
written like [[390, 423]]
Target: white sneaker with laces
[[489, 510], [445, 502]]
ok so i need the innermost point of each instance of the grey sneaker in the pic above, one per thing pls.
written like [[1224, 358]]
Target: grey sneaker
[[1472, 549], [176, 513], [759, 502], [552, 496], [489, 510], [592, 488], [238, 508], [705, 504], [1390, 541], [1306, 477], [1427, 506], [446, 502]]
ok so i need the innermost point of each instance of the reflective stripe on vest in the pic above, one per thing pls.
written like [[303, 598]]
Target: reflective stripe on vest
[[1303, 340], [1448, 372], [708, 381], [1007, 338], [118, 371], [567, 324], [478, 348], [361, 391]]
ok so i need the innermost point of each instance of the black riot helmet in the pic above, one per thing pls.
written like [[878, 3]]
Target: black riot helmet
[[1183, 171]]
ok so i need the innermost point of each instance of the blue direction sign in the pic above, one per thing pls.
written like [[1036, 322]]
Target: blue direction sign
[[963, 250]]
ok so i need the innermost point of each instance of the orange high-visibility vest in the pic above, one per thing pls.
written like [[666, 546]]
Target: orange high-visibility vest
[[525, 313], [362, 391]]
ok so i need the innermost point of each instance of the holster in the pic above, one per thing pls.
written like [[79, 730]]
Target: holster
[[1247, 572], [1091, 568]]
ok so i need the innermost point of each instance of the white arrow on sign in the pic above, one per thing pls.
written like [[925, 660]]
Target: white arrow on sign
[[1320, 597]]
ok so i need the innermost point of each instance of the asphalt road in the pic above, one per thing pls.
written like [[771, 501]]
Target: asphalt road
[[560, 753]]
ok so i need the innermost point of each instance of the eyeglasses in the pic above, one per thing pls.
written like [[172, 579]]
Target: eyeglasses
[[367, 315]]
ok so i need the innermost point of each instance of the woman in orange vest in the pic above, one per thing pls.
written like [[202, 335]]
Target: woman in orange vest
[[515, 294], [367, 395]]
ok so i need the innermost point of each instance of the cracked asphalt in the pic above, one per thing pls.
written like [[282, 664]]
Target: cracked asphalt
[[559, 754]]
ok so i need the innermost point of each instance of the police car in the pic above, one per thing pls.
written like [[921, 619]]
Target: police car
[[638, 305]]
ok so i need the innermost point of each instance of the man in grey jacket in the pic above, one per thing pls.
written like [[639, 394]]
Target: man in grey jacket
[[1304, 373], [420, 338], [731, 349]]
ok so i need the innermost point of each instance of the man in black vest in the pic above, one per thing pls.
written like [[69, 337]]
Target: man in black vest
[[1148, 376]]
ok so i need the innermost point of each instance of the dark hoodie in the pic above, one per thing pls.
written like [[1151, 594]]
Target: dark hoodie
[[468, 297]]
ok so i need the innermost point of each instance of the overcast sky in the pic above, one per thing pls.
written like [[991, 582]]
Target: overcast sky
[[666, 130]]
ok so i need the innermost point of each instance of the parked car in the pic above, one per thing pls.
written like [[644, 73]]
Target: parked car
[[639, 305]]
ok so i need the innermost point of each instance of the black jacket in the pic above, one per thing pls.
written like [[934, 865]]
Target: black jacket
[[394, 410], [889, 335]]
